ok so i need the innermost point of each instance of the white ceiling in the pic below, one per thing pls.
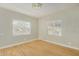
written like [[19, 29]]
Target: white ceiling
[[26, 8]]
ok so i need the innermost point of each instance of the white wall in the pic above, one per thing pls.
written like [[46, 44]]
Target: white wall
[[70, 27], [6, 37], [70, 32]]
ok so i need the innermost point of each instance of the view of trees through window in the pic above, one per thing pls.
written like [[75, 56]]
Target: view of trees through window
[[55, 27], [21, 27]]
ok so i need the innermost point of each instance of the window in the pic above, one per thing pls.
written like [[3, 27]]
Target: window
[[55, 27], [21, 27]]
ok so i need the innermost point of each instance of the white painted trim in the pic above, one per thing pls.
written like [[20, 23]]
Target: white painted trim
[[38, 39], [61, 44], [11, 45]]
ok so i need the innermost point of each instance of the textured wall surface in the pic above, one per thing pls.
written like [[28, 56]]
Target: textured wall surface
[[6, 18], [70, 27]]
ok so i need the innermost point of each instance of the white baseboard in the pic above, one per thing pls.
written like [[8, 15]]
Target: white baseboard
[[7, 46], [64, 45], [11, 45]]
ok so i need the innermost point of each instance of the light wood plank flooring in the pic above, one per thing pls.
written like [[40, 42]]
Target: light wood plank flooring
[[38, 48]]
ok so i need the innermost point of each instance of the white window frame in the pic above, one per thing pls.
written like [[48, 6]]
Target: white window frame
[[21, 27]]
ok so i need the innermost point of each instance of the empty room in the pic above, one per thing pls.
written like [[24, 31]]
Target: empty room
[[39, 29]]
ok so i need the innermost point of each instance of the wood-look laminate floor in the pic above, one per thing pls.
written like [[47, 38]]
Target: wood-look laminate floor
[[38, 48]]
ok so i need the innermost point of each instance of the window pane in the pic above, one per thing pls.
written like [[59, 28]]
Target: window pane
[[21, 27]]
